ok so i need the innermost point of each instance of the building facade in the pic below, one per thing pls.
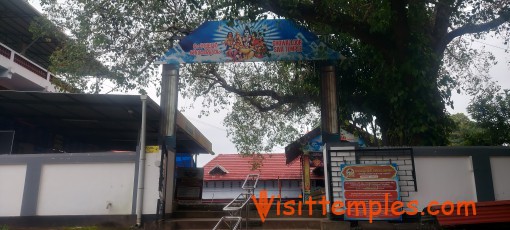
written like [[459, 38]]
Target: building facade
[[69, 158], [224, 176]]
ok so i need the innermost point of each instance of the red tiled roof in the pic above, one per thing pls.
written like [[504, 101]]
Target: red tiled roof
[[486, 212], [238, 167]]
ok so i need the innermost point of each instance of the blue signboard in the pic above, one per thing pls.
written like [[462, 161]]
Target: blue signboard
[[314, 145], [264, 40]]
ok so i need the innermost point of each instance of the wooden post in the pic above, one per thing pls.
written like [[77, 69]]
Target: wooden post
[[329, 116], [306, 175]]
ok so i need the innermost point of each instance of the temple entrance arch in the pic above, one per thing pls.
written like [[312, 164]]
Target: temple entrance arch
[[236, 41]]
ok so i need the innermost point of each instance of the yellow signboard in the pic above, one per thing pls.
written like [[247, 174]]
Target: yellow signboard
[[152, 149]]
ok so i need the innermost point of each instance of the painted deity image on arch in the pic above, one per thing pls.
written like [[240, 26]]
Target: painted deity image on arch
[[237, 41], [246, 46]]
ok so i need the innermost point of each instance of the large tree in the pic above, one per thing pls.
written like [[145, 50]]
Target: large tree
[[467, 132], [491, 110], [404, 57]]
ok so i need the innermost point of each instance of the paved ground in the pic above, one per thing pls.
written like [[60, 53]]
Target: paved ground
[[166, 226]]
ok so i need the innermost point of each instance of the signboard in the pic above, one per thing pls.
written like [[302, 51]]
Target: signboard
[[370, 183], [349, 137], [316, 159], [152, 149], [346, 136], [236, 41], [314, 145]]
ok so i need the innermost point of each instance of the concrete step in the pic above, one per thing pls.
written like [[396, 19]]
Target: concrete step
[[201, 207], [270, 223], [198, 214], [219, 206], [216, 210], [252, 214]]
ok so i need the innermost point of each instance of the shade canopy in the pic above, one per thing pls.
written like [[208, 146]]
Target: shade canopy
[[115, 118]]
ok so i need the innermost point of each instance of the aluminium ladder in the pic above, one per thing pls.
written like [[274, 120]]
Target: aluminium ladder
[[235, 207]]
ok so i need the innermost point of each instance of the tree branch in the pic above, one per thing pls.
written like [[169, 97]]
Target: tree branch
[[400, 25], [337, 21], [250, 96], [442, 14], [211, 85], [473, 28], [185, 31]]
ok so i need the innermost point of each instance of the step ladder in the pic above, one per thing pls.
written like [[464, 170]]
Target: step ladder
[[235, 207]]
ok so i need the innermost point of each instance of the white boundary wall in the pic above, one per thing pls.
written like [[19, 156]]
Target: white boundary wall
[[86, 189], [12, 181], [76, 184], [443, 179], [500, 167], [439, 177]]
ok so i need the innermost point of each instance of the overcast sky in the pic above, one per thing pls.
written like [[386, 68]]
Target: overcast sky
[[212, 126]]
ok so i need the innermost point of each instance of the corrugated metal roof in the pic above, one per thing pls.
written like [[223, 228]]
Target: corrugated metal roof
[[100, 116], [272, 167], [486, 212]]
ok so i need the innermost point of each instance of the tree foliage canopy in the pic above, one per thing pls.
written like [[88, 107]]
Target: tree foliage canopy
[[404, 58], [491, 111], [467, 132]]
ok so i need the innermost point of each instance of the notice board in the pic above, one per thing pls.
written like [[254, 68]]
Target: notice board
[[364, 183]]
